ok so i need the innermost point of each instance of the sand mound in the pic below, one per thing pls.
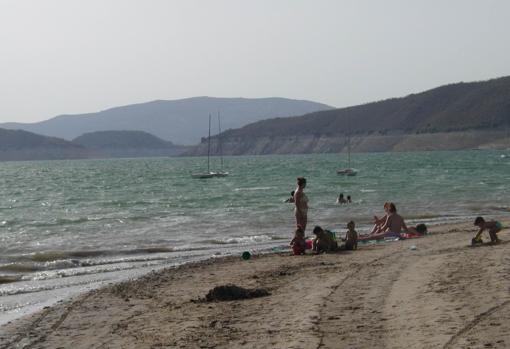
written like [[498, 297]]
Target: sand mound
[[233, 292]]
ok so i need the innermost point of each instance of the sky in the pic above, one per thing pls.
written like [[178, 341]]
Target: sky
[[70, 56]]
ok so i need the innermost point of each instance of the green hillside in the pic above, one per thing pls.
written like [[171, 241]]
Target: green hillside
[[456, 107], [18, 139], [121, 139]]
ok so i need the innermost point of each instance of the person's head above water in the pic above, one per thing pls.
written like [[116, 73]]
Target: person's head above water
[[301, 182], [351, 225], [341, 196], [392, 208], [292, 193], [348, 198]]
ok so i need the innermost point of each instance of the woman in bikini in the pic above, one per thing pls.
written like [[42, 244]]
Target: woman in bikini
[[301, 204]]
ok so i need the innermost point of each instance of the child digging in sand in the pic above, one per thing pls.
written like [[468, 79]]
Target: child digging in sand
[[351, 237], [493, 227], [323, 241], [298, 244]]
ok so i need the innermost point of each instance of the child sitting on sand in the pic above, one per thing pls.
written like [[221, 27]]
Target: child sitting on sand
[[493, 227], [298, 244], [351, 237], [323, 241]]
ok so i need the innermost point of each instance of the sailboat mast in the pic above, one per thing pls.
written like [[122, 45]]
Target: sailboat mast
[[219, 140], [348, 142], [209, 145], [349, 150]]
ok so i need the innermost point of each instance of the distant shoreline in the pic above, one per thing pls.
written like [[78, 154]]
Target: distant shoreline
[[502, 145], [368, 143]]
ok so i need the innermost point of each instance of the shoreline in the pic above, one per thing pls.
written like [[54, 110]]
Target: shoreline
[[33, 301], [314, 300], [53, 296]]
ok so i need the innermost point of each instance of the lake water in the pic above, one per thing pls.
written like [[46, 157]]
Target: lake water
[[68, 226]]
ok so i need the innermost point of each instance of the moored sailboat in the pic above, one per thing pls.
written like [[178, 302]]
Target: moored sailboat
[[221, 172], [349, 171], [208, 174]]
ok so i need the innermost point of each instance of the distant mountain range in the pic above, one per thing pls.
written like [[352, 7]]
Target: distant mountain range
[[456, 116], [23, 145], [472, 115], [182, 121]]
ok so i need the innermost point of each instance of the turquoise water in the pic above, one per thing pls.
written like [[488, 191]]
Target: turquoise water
[[66, 226]]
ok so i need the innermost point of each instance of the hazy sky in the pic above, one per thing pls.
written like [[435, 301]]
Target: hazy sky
[[69, 56]]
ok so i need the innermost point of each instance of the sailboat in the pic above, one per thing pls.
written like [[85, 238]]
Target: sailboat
[[207, 174], [220, 173], [349, 171]]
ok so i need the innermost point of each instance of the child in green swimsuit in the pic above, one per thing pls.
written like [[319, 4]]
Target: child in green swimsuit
[[493, 227]]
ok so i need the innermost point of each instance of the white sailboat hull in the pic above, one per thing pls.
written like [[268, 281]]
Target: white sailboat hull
[[347, 172], [202, 175], [220, 174]]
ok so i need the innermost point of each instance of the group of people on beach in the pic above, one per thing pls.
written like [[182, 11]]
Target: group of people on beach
[[391, 225], [325, 240]]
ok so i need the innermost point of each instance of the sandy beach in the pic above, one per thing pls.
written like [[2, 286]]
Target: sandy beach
[[443, 294]]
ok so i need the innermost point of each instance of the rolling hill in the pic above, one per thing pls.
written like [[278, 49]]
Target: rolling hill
[[19, 145], [23, 145], [455, 116], [127, 144]]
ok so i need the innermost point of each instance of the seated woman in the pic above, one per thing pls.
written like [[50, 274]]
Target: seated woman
[[392, 227], [379, 222], [323, 241], [394, 224]]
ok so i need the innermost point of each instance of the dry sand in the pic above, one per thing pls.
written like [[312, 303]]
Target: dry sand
[[444, 294]]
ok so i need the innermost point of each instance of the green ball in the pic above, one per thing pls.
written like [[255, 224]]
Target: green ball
[[246, 255]]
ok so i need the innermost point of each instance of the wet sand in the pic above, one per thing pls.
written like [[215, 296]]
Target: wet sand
[[444, 294]]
